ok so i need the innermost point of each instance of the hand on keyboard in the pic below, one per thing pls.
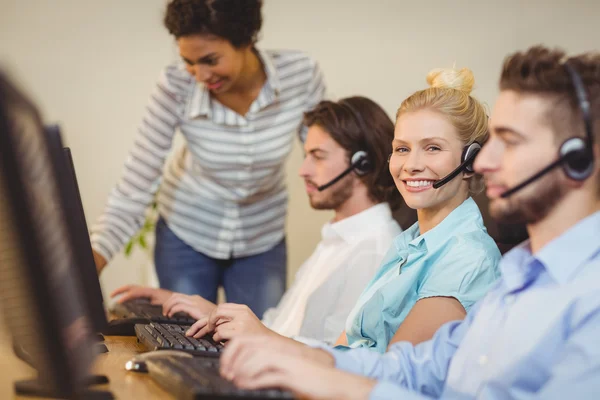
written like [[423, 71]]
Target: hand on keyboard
[[195, 306], [130, 292], [252, 362], [157, 336], [229, 320]]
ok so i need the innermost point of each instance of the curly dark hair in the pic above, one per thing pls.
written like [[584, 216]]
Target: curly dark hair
[[237, 21], [358, 123]]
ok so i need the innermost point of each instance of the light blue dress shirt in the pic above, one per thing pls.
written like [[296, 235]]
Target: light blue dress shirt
[[456, 259], [536, 335]]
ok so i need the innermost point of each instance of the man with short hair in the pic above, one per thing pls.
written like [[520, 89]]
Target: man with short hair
[[536, 334]]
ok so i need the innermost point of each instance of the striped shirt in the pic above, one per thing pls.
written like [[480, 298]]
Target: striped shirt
[[224, 193]]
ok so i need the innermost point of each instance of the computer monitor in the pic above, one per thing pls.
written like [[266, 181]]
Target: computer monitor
[[41, 299], [84, 265]]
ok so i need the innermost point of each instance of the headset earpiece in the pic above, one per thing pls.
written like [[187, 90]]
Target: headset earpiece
[[578, 164], [468, 156], [360, 163]]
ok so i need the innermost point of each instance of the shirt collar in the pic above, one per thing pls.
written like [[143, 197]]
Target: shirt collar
[[354, 228], [199, 104], [562, 257], [270, 70], [466, 213]]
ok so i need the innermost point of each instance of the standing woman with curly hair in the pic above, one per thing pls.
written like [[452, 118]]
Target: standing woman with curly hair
[[223, 199]]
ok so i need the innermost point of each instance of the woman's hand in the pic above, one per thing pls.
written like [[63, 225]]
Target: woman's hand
[[130, 292], [99, 261]]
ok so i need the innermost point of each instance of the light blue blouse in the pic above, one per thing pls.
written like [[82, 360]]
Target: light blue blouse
[[456, 259]]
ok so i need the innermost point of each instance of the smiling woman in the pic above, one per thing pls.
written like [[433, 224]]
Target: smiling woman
[[439, 267], [222, 200]]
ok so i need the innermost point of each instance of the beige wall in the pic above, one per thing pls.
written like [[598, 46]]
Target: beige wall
[[91, 65]]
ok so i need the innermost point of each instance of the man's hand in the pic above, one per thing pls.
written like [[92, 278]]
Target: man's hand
[[195, 306], [227, 321], [130, 292], [99, 261], [258, 362]]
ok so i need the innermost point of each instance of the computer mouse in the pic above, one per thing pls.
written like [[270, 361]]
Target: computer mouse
[[138, 362]]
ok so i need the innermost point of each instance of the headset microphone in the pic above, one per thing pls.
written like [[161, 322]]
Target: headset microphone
[[468, 156], [575, 155], [359, 163], [540, 174]]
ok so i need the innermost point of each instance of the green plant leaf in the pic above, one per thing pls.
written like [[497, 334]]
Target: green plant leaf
[[128, 248], [147, 228], [143, 242]]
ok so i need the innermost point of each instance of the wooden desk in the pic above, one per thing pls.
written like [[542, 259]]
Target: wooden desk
[[123, 384]]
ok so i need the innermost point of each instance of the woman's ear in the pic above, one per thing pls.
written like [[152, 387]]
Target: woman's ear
[[468, 175]]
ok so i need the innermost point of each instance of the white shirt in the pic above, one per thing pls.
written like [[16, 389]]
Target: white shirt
[[224, 194], [329, 282]]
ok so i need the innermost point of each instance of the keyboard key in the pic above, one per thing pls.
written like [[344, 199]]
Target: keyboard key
[[151, 331], [196, 344]]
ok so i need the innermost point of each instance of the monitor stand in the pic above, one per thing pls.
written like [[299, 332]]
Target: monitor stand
[[33, 387], [101, 348]]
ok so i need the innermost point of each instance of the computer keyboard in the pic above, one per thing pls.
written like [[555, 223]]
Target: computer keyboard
[[142, 308], [199, 378], [157, 336]]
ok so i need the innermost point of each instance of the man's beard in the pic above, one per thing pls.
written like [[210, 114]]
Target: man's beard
[[339, 193], [531, 205]]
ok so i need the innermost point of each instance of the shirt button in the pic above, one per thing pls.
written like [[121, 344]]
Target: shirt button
[[483, 360]]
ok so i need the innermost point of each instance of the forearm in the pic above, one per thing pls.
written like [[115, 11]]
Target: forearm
[[318, 356], [123, 216], [350, 387], [310, 352]]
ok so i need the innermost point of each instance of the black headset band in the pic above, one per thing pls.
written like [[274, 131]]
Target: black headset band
[[360, 122], [583, 101]]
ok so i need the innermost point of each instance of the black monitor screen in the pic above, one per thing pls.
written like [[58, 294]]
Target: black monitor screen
[[84, 267], [87, 266]]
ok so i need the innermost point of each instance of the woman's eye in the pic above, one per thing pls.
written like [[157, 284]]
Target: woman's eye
[[433, 148], [510, 143], [401, 150]]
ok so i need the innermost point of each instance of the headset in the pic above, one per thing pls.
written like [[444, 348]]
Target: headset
[[575, 155], [466, 164], [359, 162]]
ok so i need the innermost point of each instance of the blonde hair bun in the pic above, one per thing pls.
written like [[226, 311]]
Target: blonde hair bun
[[449, 78]]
